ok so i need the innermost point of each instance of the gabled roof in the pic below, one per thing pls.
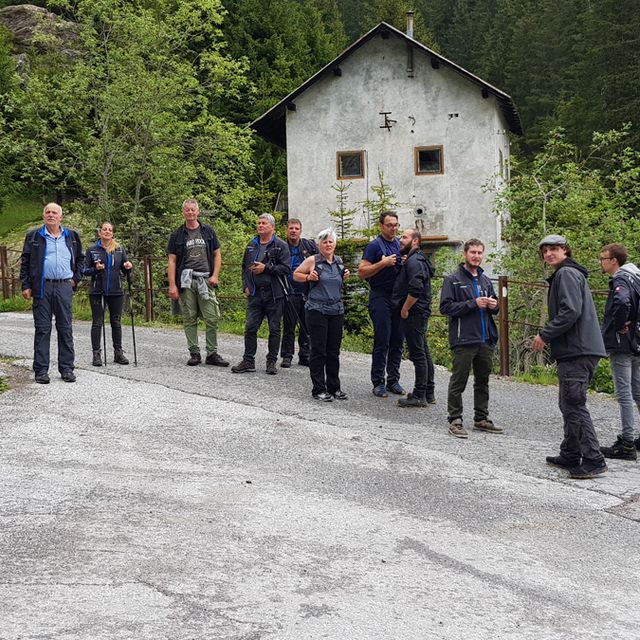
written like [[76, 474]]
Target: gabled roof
[[271, 125]]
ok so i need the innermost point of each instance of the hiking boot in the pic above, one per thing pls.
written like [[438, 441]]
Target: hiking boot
[[395, 387], [216, 360], [588, 470], [621, 449], [380, 391], [431, 399], [194, 359], [457, 430], [97, 359], [323, 397], [340, 395], [286, 363], [244, 366], [412, 401], [42, 378], [560, 462], [119, 357], [68, 376], [486, 425], [271, 368]]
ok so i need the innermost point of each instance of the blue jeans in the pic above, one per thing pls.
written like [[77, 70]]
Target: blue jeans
[[388, 339], [625, 368], [56, 301]]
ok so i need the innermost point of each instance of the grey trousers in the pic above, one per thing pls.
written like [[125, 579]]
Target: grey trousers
[[580, 440]]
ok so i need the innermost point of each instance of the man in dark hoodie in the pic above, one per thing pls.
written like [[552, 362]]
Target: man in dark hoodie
[[468, 298], [412, 293], [573, 334], [620, 314], [265, 267]]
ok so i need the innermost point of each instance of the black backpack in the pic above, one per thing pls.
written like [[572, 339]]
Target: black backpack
[[634, 313]]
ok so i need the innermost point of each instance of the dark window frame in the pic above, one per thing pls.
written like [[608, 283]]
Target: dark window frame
[[340, 154], [416, 156]]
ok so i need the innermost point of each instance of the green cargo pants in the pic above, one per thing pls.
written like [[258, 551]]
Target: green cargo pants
[[194, 306]]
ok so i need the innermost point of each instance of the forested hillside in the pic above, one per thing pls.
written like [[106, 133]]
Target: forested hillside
[[142, 103]]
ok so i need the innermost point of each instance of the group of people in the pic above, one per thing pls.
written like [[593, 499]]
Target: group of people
[[298, 283]]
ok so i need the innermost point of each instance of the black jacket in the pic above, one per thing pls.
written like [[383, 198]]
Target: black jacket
[[573, 329], [620, 308], [33, 254], [414, 279], [178, 246], [105, 282], [278, 265], [468, 324]]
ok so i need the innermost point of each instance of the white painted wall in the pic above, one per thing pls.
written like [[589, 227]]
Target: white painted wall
[[342, 113]]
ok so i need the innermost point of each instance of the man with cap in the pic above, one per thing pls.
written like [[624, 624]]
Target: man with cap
[[573, 334]]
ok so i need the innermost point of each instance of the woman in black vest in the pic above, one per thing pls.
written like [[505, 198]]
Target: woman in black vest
[[104, 262], [324, 307]]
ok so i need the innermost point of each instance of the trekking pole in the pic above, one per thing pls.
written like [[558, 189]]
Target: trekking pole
[[104, 329], [133, 326]]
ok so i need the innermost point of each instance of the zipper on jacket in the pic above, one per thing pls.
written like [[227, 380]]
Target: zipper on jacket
[[476, 290]]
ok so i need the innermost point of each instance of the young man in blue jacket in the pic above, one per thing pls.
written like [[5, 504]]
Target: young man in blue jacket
[[620, 316], [412, 295], [265, 268], [50, 269], [575, 341], [468, 298]]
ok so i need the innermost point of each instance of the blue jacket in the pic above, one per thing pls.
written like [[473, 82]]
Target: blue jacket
[[33, 254], [468, 324], [105, 282], [278, 265]]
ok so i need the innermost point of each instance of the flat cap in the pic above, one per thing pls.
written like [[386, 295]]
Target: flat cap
[[553, 240]]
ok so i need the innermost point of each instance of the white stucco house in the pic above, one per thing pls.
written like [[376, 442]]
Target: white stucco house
[[439, 134]]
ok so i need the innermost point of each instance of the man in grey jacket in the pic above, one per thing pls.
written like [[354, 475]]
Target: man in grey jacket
[[573, 334]]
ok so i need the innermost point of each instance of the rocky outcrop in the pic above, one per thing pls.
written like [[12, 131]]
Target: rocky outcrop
[[32, 27]]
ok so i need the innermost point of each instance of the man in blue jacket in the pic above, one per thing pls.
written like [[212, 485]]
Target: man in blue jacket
[[380, 266], [574, 336], [621, 343], [468, 298], [265, 267], [412, 295], [50, 269]]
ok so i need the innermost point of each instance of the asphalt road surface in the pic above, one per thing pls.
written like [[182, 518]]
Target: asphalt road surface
[[173, 502]]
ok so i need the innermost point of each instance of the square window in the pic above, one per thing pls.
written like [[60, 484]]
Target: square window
[[428, 160], [349, 165]]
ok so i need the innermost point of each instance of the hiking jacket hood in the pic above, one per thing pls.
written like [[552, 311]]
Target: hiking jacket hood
[[468, 324], [573, 329]]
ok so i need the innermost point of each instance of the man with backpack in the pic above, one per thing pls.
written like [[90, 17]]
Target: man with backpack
[[620, 341]]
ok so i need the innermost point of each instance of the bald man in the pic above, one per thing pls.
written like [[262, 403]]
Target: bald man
[[50, 269]]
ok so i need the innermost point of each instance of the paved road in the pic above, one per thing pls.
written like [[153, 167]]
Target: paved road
[[167, 502]]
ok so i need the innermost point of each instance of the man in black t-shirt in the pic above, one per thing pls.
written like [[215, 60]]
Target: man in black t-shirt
[[193, 271]]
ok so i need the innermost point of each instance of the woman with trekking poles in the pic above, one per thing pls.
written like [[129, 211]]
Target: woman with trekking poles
[[105, 262], [324, 274]]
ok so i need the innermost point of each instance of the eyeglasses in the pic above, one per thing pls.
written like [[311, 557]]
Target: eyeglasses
[[605, 258], [391, 225]]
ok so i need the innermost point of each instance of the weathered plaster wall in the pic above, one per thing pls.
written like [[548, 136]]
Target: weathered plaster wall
[[342, 113]]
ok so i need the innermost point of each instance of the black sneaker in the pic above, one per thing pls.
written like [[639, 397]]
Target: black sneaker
[[323, 397], [340, 395], [244, 366], [561, 462], [431, 400], [286, 363], [42, 378], [621, 449], [68, 376], [194, 359], [412, 401], [97, 359], [216, 360], [396, 387], [271, 368], [588, 470]]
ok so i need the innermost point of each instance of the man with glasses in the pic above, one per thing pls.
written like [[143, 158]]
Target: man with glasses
[[379, 266], [620, 314], [573, 334]]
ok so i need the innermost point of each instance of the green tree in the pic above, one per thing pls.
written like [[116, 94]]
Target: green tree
[[343, 215]]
